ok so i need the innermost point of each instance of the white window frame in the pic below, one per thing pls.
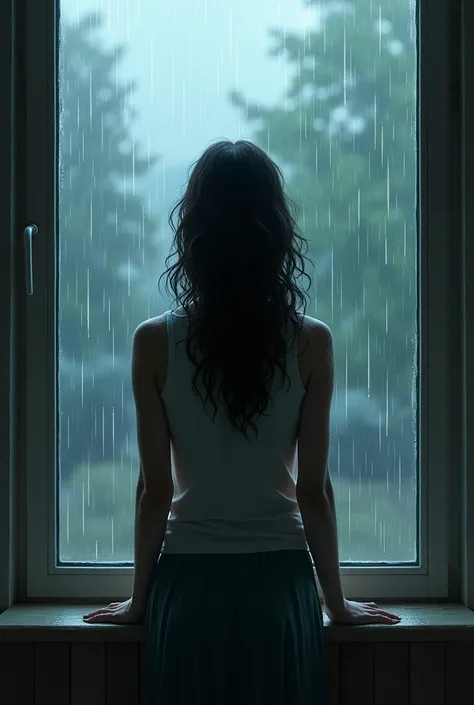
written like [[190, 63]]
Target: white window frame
[[436, 576]]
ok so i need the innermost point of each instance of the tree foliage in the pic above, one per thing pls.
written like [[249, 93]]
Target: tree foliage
[[105, 244], [346, 137]]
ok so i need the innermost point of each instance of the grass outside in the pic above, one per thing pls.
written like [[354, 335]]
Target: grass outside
[[376, 520]]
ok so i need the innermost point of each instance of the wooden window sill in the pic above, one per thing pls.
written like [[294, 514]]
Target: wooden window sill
[[26, 622]]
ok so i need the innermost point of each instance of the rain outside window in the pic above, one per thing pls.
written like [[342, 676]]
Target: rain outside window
[[329, 90]]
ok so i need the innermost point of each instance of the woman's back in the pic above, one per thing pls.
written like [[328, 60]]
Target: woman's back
[[231, 495]]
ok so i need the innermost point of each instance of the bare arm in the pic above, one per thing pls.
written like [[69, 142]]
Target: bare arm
[[314, 489], [154, 490], [155, 485]]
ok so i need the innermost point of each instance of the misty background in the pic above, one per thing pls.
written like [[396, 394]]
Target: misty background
[[329, 90]]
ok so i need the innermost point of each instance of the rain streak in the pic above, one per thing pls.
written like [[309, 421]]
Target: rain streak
[[329, 90]]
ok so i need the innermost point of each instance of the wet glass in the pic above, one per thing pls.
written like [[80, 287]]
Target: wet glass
[[329, 90]]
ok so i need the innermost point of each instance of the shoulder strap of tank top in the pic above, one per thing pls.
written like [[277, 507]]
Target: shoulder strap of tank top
[[171, 340], [293, 337]]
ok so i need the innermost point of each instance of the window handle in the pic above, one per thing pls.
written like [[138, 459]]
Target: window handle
[[29, 232]]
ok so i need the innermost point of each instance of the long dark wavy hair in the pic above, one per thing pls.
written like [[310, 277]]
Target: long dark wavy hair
[[239, 259]]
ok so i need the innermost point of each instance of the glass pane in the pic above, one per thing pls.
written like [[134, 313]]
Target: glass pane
[[329, 89]]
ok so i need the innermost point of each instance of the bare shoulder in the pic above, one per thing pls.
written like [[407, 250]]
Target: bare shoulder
[[315, 335], [314, 344], [317, 328], [150, 342], [151, 331], [150, 349]]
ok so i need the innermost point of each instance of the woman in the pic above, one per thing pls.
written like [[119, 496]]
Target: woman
[[231, 388]]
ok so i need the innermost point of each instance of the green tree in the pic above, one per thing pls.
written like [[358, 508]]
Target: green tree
[[346, 139], [105, 245]]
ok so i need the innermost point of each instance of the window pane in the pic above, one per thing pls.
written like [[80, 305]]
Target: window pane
[[329, 89]]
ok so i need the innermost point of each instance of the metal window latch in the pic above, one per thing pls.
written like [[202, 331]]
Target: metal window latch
[[29, 232]]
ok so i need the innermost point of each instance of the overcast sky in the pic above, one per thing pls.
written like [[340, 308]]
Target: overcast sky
[[186, 55]]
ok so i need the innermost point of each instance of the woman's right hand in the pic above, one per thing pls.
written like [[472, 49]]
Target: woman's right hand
[[362, 613]]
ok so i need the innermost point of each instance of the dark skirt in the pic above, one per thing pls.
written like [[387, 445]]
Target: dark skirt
[[241, 629]]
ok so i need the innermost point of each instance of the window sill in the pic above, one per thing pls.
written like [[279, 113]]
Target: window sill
[[25, 622]]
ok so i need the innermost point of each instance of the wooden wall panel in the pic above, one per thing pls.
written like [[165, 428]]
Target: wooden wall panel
[[459, 673], [357, 673], [88, 673], [52, 673], [122, 664], [143, 675], [16, 673], [333, 673], [391, 673], [427, 673]]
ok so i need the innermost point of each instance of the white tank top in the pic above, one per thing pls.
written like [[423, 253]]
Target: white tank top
[[231, 495]]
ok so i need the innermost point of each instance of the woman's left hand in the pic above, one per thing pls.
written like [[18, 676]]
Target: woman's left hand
[[117, 613]]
